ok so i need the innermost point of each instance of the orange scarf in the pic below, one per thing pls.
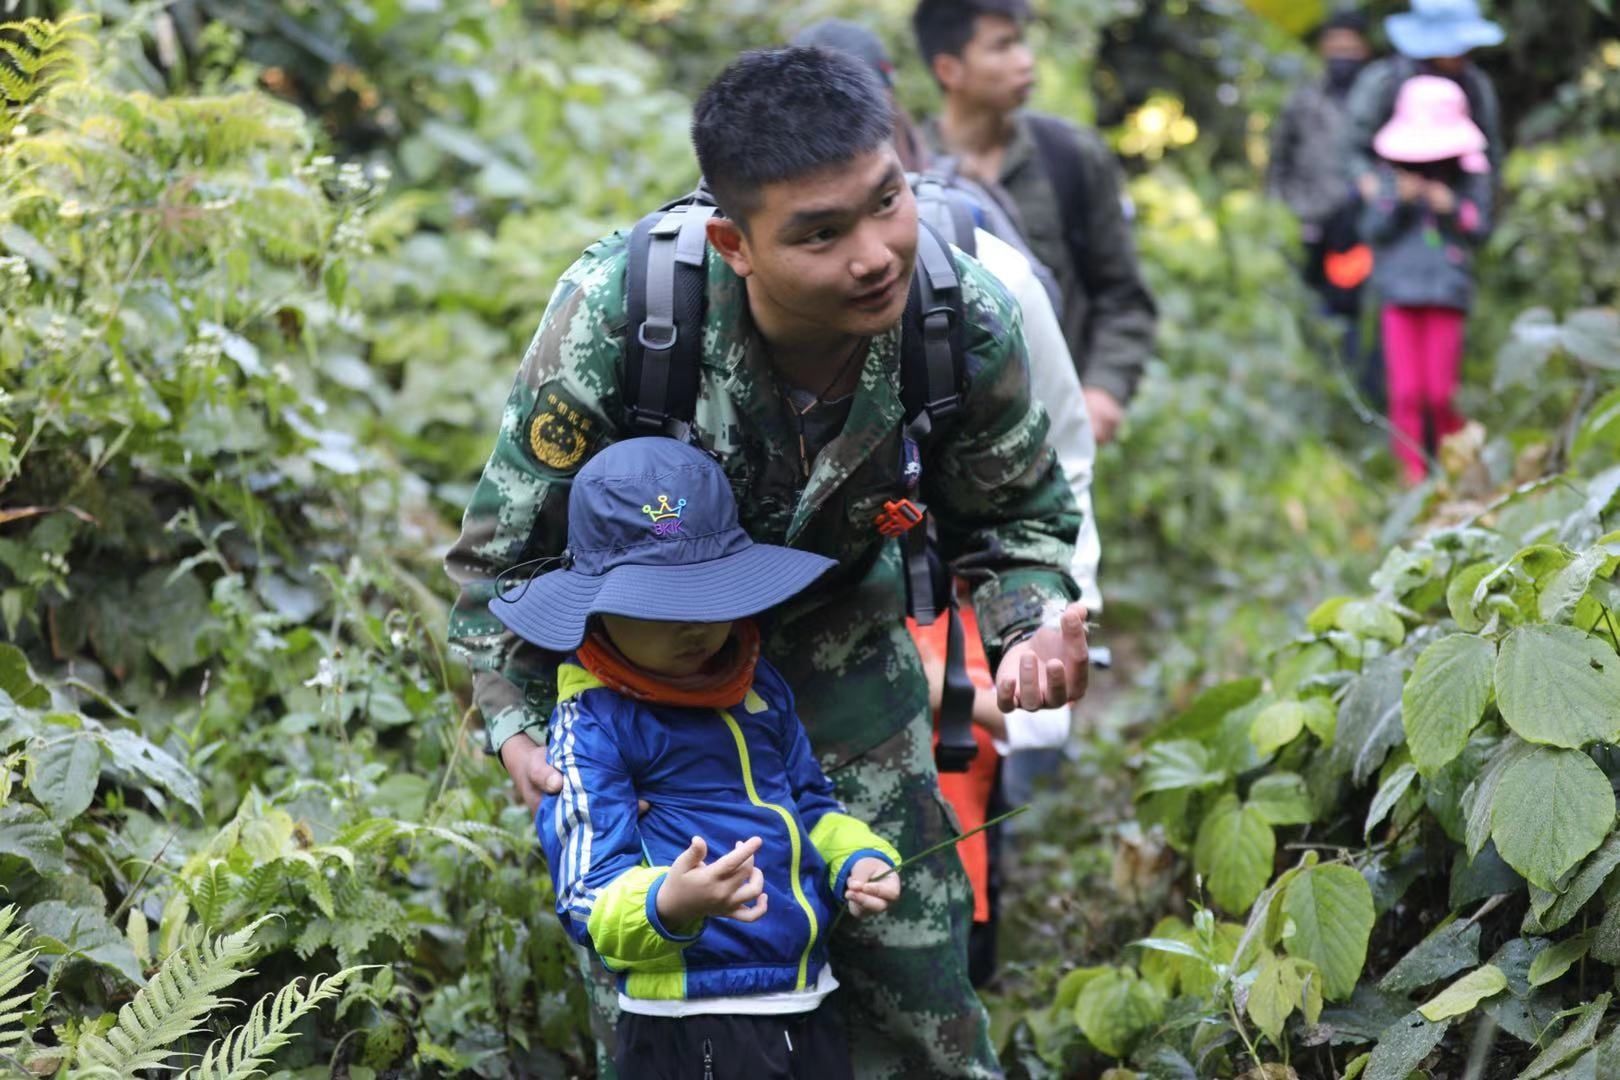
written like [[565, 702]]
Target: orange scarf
[[723, 682]]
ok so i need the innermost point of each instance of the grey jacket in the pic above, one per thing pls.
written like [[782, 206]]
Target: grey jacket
[[1424, 259], [1306, 170]]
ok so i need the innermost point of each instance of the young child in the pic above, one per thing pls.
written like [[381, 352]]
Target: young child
[[722, 964], [1430, 208]]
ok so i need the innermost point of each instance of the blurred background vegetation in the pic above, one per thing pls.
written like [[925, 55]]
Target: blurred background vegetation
[[266, 269]]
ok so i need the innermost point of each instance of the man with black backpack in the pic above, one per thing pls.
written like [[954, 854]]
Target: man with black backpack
[[1063, 181], [854, 378]]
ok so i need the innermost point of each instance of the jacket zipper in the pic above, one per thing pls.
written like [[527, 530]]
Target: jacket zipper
[[794, 843]]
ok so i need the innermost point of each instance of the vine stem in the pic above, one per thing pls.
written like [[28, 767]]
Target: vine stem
[[942, 845]]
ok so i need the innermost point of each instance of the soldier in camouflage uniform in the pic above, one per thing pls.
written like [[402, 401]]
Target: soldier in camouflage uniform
[[799, 401]]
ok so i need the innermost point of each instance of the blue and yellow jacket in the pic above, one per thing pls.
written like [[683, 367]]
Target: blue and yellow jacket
[[724, 775]]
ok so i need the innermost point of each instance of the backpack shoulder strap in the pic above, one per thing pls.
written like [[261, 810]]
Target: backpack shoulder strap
[[666, 283], [1059, 151], [932, 339], [947, 210]]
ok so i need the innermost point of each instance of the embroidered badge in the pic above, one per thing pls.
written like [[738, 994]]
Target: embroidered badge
[[666, 519], [560, 434], [910, 463]]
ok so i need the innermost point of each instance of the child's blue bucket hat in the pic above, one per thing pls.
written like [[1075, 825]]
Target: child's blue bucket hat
[[652, 534], [1437, 28]]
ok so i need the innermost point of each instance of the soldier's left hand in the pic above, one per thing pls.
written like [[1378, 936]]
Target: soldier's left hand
[[1048, 669], [868, 897]]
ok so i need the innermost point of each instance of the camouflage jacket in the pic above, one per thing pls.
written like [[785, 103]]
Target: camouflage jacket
[[1109, 317], [1004, 512]]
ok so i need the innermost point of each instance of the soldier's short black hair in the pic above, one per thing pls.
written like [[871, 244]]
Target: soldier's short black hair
[[946, 26], [779, 114]]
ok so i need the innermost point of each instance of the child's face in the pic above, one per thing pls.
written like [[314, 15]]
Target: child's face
[[666, 648]]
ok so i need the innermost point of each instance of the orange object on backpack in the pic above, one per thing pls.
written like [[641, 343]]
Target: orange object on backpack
[[967, 792], [1348, 269]]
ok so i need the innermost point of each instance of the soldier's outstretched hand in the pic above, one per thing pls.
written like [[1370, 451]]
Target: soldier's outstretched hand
[[1048, 669]]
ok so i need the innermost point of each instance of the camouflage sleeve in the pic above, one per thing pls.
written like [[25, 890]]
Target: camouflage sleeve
[[556, 416], [1121, 316], [1007, 519]]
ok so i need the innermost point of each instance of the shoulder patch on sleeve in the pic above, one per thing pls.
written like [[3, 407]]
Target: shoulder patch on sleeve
[[561, 434]]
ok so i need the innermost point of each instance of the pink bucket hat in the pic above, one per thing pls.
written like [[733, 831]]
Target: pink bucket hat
[[1431, 123]]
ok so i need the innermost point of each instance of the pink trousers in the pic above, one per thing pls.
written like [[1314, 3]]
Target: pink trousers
[[1422, 358]]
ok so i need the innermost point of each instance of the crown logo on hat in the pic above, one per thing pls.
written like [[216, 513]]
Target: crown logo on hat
[[666, 519]]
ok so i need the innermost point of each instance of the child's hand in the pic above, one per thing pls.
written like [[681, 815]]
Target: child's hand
[[1441, 199], [868, 897], [1408, 186], [693, 890]]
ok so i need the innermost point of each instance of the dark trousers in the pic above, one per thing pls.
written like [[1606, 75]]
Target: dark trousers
[[794, 1046]]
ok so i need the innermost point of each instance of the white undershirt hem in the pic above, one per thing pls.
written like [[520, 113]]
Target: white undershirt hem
[[781, 1003]]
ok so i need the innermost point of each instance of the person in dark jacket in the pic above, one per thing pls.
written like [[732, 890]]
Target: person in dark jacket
[[1434, 38], [1306, 171], [1430, 207], [1064, 182], [666, 699]]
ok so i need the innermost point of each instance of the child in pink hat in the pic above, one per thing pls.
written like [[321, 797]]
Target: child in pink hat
[[1431, 210]]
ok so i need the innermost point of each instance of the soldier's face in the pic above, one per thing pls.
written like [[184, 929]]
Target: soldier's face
[[831, 252]]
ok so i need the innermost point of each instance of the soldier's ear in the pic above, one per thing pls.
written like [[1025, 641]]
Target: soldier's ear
[[727, 237], [947, 70]]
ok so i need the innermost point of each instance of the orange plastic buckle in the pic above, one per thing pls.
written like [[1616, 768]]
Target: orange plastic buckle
[[899, 518]]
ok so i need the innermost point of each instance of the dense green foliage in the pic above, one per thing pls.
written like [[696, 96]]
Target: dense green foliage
[[265, 269]]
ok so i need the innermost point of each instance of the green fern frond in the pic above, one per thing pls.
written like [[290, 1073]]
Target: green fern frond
[[14, 963], [173, 1004], [210, 892], [39, 53], [242, 1053]]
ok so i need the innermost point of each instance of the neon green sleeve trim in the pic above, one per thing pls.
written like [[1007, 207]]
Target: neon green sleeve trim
[[624, 928], [838, 836], [573, 680]]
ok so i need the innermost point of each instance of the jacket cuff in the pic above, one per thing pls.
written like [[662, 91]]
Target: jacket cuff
[[1012, 605], [1117, 382], [841, 878], [512, 722], [658, 924]]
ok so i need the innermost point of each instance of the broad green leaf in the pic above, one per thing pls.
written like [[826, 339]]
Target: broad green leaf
[[1277, 725], [1282, 799], [1115, 1009], [83, 931], [173, 615], [1402, 1045], [1204, 715], [18, 682], [1356, 1066], [1370, 719], [1445, 698], [1551, 809], [1329, 919], [1234, 852], [136, 757], [1558, 686], [1592, 336], [1450, 949], [1558, 958], [26, 832], [1481, 794], [66, 770], [1576, 1038], [1389, 793], [1601, 428], [1177, 764], [1371, 619], [1325, 616], [1276, 992], [1321, 719], [1566, 587], [1582, 887], [1461, 996], [1460, 596], [1069, 987]]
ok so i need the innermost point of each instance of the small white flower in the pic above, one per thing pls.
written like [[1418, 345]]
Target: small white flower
[[397, 638], [70, 210], [325, 675]]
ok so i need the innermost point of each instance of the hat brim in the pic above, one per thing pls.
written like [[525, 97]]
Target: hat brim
[[1419, 144], [552, 610], [1424, 40]]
